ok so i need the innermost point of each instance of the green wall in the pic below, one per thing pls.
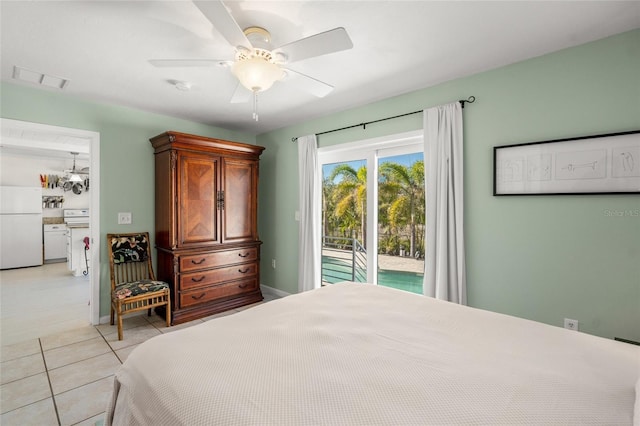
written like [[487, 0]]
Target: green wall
[[126, 156], [542, 258]]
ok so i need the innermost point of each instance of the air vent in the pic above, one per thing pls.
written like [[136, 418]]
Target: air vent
[[38, 78]]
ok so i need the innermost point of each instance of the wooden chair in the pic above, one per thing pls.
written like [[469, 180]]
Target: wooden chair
[[133, 283]]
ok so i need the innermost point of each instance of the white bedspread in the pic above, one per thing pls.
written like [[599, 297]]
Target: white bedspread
[[357, 354]]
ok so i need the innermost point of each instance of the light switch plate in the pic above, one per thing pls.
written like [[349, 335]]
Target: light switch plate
[[124, 218]]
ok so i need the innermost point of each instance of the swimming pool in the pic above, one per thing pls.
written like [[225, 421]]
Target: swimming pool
[[337, 270]]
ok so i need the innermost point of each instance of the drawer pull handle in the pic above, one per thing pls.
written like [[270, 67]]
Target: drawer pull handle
[[242, 285], [243, 255], [243, 271], [198, 262], [197, 280], [198, 297]]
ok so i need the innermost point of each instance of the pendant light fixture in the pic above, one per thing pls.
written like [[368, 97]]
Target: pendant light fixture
[[74, 176]]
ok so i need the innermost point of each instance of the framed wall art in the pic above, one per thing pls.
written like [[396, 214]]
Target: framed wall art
[[598, 164]]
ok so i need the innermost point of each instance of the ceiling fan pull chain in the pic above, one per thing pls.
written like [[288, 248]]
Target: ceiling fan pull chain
[[255, 105]]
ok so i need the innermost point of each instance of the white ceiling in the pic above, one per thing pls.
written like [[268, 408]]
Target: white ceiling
[[103, 48]]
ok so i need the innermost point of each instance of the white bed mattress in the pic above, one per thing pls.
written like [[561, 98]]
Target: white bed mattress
[[358, 354]]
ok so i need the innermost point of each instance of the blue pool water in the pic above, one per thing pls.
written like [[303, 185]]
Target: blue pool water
[[341, 271]]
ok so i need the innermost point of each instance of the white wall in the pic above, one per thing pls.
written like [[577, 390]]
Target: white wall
[[25, 170]]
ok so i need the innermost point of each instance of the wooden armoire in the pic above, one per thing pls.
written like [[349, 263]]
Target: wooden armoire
[[206, 196]]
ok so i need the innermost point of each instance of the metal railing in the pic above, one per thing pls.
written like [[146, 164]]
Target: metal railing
[[343, 259]]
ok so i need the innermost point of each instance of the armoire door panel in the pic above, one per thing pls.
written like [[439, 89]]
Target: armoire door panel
[[197, 200], [239, 203]]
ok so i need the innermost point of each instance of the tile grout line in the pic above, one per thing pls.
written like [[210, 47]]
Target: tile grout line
[[23, 406], [18, 357], [23, 377], [90, 383], [84, 420], [77, 387], [94, 381], [77, 362], [104, 337], [53, 397], [105, 340]]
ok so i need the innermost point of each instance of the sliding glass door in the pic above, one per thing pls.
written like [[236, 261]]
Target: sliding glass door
[[400, 228], [344, 220], [373, 212]]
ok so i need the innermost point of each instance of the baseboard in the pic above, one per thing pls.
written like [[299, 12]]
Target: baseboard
[[273, 291]]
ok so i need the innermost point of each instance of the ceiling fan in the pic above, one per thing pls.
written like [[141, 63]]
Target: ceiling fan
[[256, 64]]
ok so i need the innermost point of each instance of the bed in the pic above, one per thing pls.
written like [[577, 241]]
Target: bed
[[360, 354]]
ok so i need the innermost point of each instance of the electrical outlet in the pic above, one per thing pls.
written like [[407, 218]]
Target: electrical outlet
[[571, 324], [273, 263], [124, 218], [297, 215]]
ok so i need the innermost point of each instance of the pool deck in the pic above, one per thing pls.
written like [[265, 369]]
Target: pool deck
[[385, 261]]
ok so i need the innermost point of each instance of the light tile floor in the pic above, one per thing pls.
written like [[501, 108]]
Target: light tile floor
[[67, 378], [41, 300]]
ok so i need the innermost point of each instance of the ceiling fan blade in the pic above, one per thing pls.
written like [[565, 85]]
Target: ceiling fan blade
[[330, 41], [216, 12], [308, 84], [241, 95], [169, 63]]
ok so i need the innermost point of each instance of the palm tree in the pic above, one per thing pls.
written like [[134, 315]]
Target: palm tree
[[404, 188], [351, 197], [327, 207]]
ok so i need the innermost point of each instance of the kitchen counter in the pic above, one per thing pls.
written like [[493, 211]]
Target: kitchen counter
[[52, 220], [77, 225]]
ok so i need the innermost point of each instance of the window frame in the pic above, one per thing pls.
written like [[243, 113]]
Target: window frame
[[370, 150]]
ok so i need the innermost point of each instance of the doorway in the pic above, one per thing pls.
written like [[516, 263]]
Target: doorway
[[373, 212], [18, 134]]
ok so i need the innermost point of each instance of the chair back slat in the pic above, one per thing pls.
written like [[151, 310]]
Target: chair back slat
[[132, 271]]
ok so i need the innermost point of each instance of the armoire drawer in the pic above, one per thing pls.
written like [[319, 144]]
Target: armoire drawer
[[211, 260], [206, 294], [213, 276]]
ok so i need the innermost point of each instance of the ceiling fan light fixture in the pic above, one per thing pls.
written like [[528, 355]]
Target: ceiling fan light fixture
[[256, 73]]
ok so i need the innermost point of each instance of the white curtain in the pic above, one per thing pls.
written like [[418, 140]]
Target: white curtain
[[445, 276], [309, 195]]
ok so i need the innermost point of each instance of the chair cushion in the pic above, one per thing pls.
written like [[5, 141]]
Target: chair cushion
[[129, 249], [136, 288]]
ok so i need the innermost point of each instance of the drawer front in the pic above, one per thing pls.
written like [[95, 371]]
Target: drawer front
[[213, 276], [207, 294], [211, 260]]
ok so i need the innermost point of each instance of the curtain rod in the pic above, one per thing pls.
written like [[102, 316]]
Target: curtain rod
[[470, 99]]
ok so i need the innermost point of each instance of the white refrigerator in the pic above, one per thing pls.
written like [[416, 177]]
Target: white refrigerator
[[20, 226]]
